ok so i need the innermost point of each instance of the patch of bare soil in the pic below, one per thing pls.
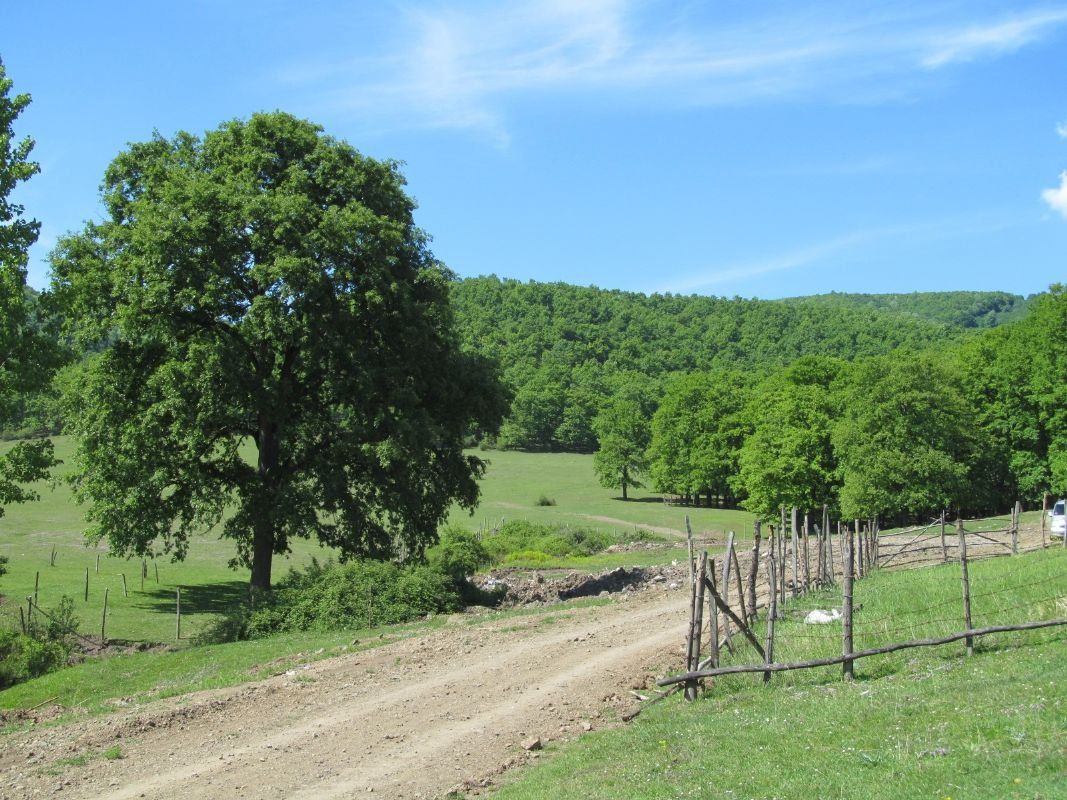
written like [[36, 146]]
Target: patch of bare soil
[[416, 718]]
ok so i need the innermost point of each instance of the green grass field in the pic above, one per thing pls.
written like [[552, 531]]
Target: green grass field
[[512, 485], [922, 723]]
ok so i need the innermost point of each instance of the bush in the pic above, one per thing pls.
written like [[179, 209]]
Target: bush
[[459, 554], [23, 657], [356, 594], [517, 537], [544, 501], [527, 557]]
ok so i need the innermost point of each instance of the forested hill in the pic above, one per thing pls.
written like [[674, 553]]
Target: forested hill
[[959, 309], [565, 348]]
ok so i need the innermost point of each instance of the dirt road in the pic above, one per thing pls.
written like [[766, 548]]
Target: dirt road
[[411, 719]]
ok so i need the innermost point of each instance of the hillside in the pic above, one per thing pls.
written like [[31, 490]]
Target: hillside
[[956, 309], [563, 348]]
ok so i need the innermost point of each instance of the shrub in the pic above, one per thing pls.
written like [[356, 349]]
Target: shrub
[[544, 501], [528, 557], [459, 554], [23, 657], [331, 596]]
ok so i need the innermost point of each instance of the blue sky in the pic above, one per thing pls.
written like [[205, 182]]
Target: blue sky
[[731, 148]]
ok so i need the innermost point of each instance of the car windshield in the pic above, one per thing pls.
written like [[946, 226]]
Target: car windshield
[[1058, 509]]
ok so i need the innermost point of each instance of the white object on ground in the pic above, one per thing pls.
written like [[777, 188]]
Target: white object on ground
[[819, 617]]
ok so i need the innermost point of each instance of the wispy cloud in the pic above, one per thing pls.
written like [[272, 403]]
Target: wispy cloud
[[1061, 129], [992, 39], [463, 67], [793, 259], [819, 252], [1057, 198]]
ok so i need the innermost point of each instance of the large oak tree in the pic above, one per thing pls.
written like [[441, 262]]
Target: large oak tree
[[266, 283]]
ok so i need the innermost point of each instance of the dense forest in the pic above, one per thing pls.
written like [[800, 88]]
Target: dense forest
[[959, 309]]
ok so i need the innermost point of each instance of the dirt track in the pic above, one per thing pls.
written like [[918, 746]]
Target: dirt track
[[410, 719]]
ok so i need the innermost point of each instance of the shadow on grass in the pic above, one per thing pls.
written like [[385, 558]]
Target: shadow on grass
[[210, 598]]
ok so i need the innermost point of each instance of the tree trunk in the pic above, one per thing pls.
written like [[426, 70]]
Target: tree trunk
[[263, 527], [625, 480]]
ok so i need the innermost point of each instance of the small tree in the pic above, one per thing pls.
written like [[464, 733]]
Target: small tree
[[623, 429], [265, 285]]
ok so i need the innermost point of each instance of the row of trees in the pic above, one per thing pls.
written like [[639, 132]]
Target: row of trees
[[972, 426]]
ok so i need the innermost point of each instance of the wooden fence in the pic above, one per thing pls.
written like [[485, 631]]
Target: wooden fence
[[799, 557]]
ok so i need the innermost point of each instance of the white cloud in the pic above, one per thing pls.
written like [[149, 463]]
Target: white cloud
[[1061, 129], [992, 39], [1057, 198], [463, 67]]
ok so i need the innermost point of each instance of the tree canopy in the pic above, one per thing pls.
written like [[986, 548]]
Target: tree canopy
[[25, 358], [266, 283]]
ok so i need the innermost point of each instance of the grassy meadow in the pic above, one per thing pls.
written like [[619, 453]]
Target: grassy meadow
[[512, 485], [922, 723]]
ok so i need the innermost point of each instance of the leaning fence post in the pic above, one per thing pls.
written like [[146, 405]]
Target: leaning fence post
[[695, 627], [846, 608], [966, 585], [753, 569], [725, 592], [713, 619], [768, 651]]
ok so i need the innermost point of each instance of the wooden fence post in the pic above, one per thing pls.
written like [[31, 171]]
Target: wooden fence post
[[36, 587], [125, 591], [713, 619], [740, 587], [772, 612], [1044, 514], [858, 540], [97, 563], [944, 549], [52, 560], [103, 620], [807, 562], [177, 613], [689, 541], [753, 569], [966, 585], [695, 628], [795, 539], [86, 584], [846, 608], [725, 591], [1016, 513]]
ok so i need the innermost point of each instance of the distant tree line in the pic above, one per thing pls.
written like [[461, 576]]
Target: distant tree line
[[971, 426]]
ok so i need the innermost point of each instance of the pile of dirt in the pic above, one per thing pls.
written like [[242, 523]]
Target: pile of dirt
[[540, 588]]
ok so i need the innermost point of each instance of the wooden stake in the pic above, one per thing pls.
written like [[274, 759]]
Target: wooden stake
[[795, 540], [86, 584], [36, 587], [1044, 514], [97, 563], [772, 612], [753, 569], [740, 589], [858, 540], [689, 541], [697, 625], [1016, 513], [713, 620], [103, 620], [177, 613], [966, 584], [846, 609], [807, 565], [154, 564], [125, 591], [725, 594], [944, 549], [144, 569]]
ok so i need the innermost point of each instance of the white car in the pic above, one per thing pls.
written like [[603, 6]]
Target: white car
[[1058, 518]]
